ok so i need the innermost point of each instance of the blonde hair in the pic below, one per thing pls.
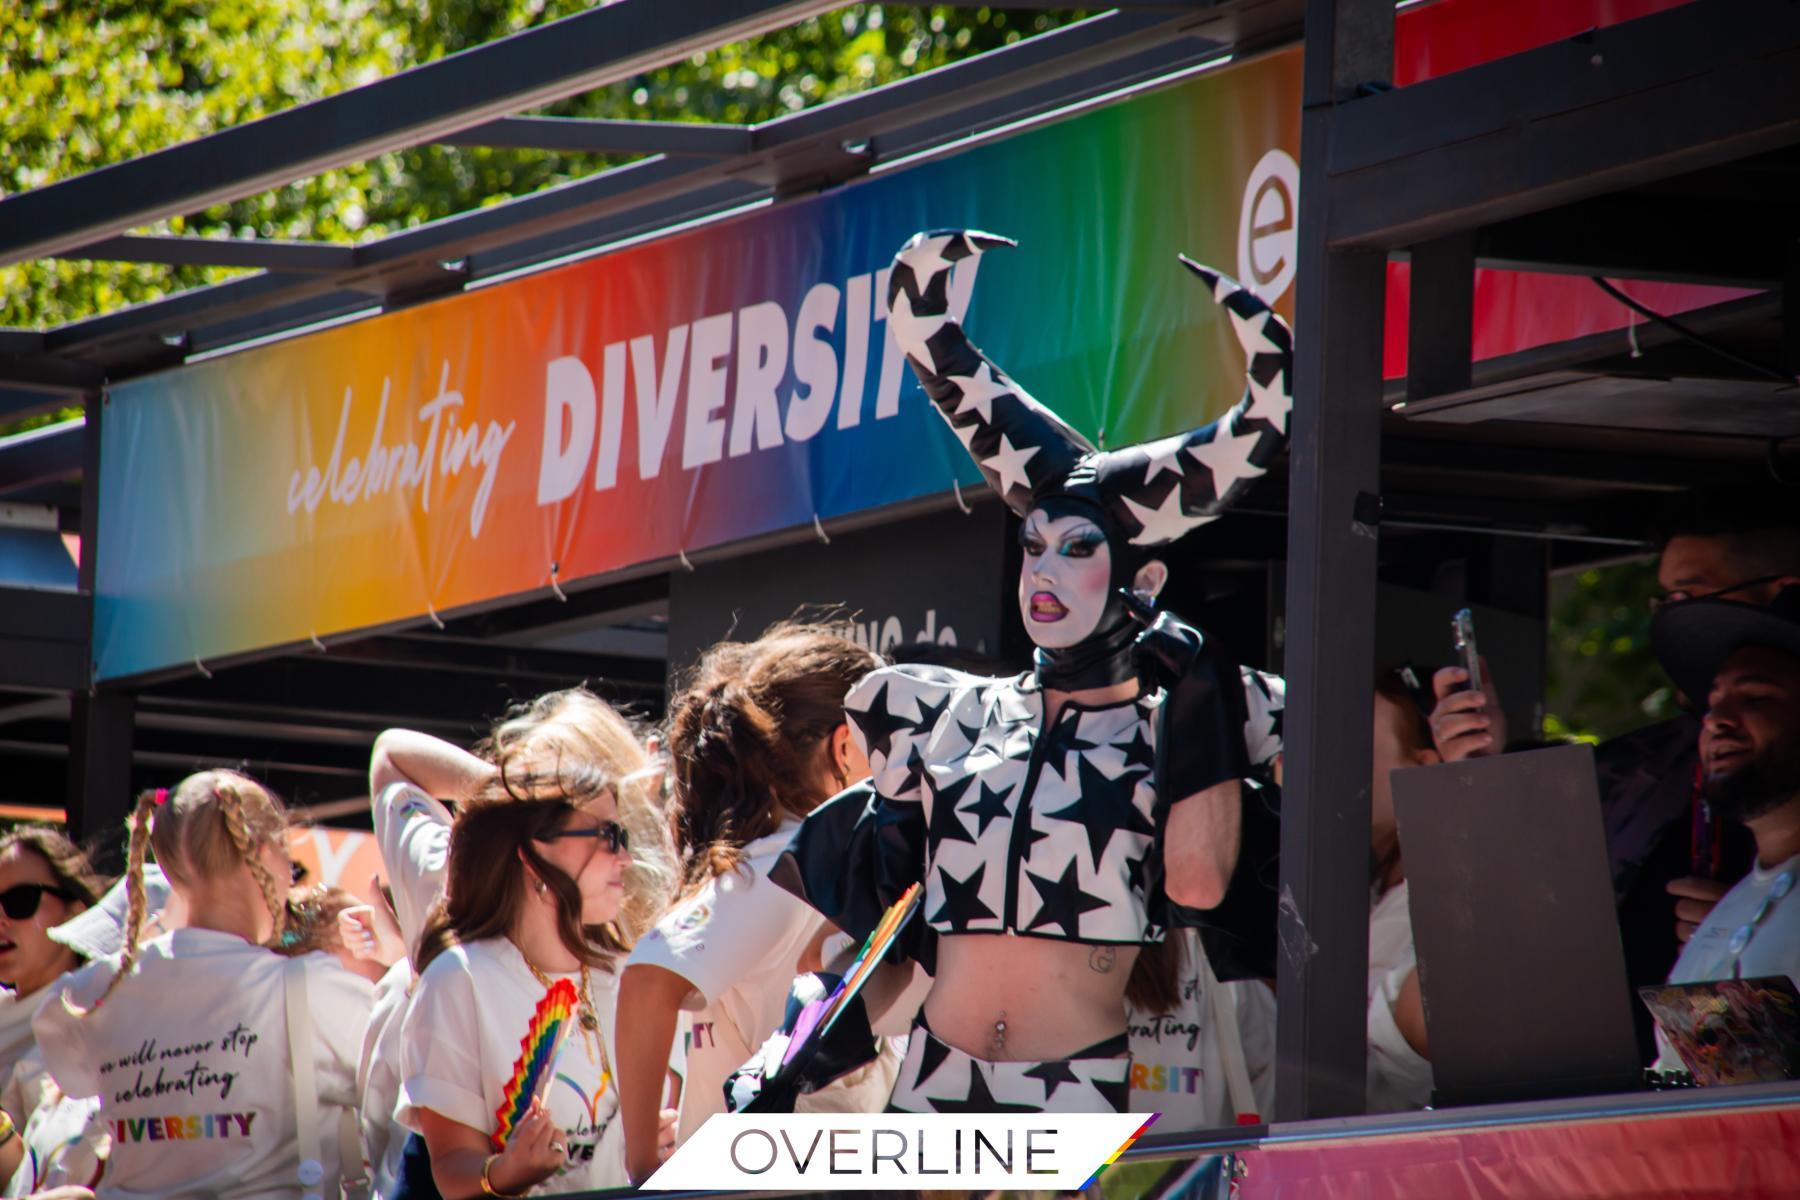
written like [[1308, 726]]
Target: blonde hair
[[554, 753], [574, 732], [208, 825]]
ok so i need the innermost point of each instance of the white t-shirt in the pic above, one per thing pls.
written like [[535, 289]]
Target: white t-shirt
[[378, 1077], [190, 1059], [1773, 948], [1176, 1064], [413, 831], [738, 941], [1399, 1077], [21, 1066], [65, 1138], [461, 1037]]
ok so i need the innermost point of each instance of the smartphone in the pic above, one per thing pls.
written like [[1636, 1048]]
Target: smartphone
[[1462, 633]]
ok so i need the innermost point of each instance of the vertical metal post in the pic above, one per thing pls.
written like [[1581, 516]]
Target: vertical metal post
[[100, 722], [1441, 317], [1334, 475]]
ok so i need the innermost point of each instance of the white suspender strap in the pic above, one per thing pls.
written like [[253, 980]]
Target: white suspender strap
[[311, 1173], [1231, 1044]]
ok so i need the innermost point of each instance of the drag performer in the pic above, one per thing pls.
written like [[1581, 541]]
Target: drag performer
[[1070, 814]]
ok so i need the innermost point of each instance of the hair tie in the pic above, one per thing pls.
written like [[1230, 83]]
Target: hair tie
[[160, 797]]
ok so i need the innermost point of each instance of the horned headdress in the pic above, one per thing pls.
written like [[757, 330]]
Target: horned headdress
[[1151, 493]]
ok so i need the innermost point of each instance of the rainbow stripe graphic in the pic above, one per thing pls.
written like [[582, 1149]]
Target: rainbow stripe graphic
[[724, 383], [1114, 1156], [735, 380], [550, 1024]]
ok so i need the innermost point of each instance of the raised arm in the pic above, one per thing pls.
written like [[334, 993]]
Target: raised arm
[[428, 763]]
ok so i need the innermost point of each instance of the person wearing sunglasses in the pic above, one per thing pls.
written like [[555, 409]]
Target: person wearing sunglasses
[[1672, 853], [185, 1039], [543, 894], [45, 880], [1745, 659]]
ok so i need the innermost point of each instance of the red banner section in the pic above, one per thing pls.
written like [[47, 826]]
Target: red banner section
[[1747, 1154]]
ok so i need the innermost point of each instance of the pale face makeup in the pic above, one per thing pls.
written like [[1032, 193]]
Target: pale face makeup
[[1064, 580]]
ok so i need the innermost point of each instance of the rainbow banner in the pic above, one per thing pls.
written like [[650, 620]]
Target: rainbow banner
[[738, 379], [727, 382]]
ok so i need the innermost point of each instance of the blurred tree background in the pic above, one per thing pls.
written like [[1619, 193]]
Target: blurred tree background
[[1602, 680], [92, 82]]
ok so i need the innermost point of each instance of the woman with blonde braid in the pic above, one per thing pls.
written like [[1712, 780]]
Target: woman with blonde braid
[[184, 1039]]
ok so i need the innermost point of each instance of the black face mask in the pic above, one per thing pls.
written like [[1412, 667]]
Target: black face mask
[[1108, 655]]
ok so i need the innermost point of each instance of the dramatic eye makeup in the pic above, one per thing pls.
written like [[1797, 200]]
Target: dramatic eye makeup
[[1080, 542]]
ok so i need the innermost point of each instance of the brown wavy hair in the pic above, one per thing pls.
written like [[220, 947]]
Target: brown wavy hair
[[576, 726], [497, 827], [67, 863], [745, 735]]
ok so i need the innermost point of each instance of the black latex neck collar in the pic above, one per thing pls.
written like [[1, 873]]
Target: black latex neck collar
[[1106, 657]]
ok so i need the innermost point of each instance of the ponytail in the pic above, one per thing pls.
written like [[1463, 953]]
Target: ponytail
[[135, 899], [745, 738]]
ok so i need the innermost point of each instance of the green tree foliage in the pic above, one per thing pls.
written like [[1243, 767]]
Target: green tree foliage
[[1603, 680], [93, 82]]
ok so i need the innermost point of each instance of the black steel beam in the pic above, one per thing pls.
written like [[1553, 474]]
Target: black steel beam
[[576, 135], [576, 54], [1701, 84], [1440, 320], [1030, 76], [21, 341], [48, 375], [1334, 470], [266, 255], [17, 403], [40, 456], [99, 797], [415, 652], [1637, 237], [44, 639]]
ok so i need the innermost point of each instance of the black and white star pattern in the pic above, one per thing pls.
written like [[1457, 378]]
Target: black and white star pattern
[[1156, 492], [964, 747], [935, 1077]]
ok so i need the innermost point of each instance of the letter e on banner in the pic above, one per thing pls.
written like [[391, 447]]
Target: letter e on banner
[[1268, 226]]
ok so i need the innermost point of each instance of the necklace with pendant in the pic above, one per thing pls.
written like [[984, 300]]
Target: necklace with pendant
[[591, 1039]]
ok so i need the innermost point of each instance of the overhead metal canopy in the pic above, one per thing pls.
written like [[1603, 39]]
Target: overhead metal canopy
[[1620, 128], [698, 170]]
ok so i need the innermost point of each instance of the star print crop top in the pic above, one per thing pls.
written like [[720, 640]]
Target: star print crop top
[[1031, 830]]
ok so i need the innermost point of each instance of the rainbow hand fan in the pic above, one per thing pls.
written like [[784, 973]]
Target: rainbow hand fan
[[550, 1024]]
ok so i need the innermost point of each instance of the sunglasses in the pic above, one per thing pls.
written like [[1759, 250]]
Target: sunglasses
[[1682, 594], [615, 835], [20, 902]]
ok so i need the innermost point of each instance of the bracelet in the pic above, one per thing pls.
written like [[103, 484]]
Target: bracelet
[[487, 1187]]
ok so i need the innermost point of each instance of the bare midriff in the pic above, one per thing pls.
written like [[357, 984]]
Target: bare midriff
[[1027, 999]]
